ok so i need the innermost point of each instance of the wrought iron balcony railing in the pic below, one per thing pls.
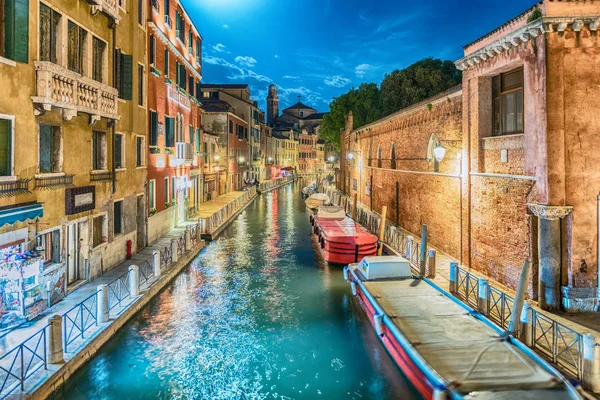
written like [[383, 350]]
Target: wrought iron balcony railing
[[102, 176], [50, 182], [14, 188]]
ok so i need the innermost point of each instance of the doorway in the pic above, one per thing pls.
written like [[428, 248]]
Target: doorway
[[141, 222], [77, 251]]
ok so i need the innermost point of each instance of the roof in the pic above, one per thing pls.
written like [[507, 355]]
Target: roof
[[223, 86], [299, 106], [315, 116], [215, 105]]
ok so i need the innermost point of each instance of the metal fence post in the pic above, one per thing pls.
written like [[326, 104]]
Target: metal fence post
[[431, 269], [102, 303], [156, 262], [453, 278], [591, 363], [526, 325], [188, 240], [134, 280], [423, 250], [483, 294], [409, 247], [55, 340], [174, 251]]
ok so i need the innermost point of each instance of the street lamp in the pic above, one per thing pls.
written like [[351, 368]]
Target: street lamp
[[331, 159], [350, 155], [439, 152], [241, 160], [216, 158]]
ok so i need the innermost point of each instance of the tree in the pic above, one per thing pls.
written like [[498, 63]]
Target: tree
[[417, 82]]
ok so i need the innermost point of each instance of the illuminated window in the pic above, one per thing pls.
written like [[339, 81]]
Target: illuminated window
[[507, 93]]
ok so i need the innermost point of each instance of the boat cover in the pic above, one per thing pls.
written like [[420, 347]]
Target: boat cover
[[316, 200], [331, 212]]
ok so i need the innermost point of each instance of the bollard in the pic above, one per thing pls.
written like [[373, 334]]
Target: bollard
[[55, 342], [453, 278], [423, 251], [431, 269], [156, 263], [525, 327], [591, 364], [382, 229], [483, 296], [102, 303], [174, 251], [188, 240], [409, 247], [134, 281]]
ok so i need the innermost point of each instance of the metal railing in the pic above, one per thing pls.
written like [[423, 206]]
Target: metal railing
[[14, 188], [166, 256], [274, 183], [499, 306], [180, 245], [79, 319], [103, 176], [467, 288], [20, 363], [54, 182], [209, 224], [146, 273], [118, 291]]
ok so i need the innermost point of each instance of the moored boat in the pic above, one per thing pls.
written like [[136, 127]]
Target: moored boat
[[341, 240], [316, 200], [445, 348]]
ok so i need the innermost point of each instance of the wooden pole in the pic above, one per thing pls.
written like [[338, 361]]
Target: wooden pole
[[355, 207], [422, 264], [519, 299], [382, 229]]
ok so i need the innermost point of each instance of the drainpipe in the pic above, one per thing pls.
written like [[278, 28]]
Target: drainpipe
[[597, 306], [114, 123]]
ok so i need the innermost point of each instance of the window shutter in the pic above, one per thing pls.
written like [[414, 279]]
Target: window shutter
[[126, 76], [152, 50], [177, 72], [153, 128], [191, 81], [5, 147], [198, 91], [16, 30], [117, 61]]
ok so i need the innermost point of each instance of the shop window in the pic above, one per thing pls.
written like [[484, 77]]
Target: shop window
[[5, 147], [99, 151], [49, 31], [76, 47], [99, 230], [50, 246], [49, 149], [140, 151], [118, 217], [153, 128], [141, 75], [119, 151], [507, 93], [98, 47]]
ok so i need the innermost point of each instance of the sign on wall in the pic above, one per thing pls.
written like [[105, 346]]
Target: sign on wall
[[80, 199]]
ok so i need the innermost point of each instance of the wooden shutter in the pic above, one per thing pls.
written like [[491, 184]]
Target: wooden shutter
[[152, 50], [191, 82], [126, 76], [166, 62], [16, 30], [5, 147], [169, 132], [46, 148], [117, 67], [153, 128]]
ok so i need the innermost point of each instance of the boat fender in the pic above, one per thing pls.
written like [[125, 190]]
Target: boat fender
[[346, 273], [353, 286], [440, 394], [378, 321], [311, 219], [322, 240]]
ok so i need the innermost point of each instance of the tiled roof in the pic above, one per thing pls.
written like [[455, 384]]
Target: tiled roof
[[299, 106], [315, 116]]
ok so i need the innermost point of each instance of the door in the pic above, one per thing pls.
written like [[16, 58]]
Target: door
[[83, 250], [72, 254], [141, 222]]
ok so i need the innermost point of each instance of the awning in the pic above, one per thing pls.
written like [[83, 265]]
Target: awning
[[16, 214]]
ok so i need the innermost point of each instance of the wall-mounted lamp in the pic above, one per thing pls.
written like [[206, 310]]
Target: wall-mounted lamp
[[439, 152], [350, 156]]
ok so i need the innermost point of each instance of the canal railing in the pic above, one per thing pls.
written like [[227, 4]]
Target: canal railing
[[66, 333], [275, 183], [557, 342], [210, 224]]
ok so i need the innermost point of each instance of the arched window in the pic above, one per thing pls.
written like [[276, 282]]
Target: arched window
[[379, 162], [393, 156]]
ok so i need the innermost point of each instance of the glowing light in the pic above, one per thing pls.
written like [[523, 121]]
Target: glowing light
[[331, 159], [216, 158], [439, 152]]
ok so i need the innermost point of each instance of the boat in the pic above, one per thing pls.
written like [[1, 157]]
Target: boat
[[315, 200], [331, 212], [341, 239], [444, 347], [307, 191]]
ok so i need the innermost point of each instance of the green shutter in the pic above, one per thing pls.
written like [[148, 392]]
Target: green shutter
[[45, 148], [166, 62], [5, 147], [153, 128], [169, 132], [16, 30], [197, 141], [126, 76]]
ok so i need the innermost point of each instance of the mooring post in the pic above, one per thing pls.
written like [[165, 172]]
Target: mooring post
[[519, 299], [409, 247], [482, 298], [453, 288], [55, 342], [525, 329], [382, 229], [156, 263], [134, 281], [423, 251], [355, 206], [431, 269], [591, 363], [174, 254], [102, 302], [188, 240]]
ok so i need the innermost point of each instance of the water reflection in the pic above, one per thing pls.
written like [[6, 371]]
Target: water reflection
[[255, 317]]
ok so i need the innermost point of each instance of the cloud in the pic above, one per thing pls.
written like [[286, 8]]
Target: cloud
[[309, 97], [291, 77], [220, 48], [246, 61], [276, 56], [337, 81], [225, 26], [361, 70], [238, 73]]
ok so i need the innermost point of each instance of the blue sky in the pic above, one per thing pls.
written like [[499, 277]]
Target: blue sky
[[321, 48]]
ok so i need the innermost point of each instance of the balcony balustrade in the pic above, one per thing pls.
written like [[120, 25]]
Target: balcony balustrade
[[108, 7], [14, 188], [62, 88]]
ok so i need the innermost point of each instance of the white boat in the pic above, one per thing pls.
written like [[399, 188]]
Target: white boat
[[316, 200], [331, 212]]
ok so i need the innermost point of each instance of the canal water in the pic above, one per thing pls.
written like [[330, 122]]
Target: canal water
[[255, 316]]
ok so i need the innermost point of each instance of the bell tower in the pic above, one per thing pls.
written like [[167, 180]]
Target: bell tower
[[272, 104]]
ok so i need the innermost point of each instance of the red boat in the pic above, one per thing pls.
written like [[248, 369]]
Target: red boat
[[342, 240]]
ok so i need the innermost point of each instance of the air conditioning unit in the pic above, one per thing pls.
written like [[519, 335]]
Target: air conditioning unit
[[168, 21]]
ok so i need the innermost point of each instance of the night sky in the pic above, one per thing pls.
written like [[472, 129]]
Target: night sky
[[321, 48]]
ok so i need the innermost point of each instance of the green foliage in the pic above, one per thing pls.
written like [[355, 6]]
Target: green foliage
[[154, 150], [398, 90], [535, 15], [169, 151]]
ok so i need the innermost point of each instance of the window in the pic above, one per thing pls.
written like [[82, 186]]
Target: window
[[507, 93], [76, 48], [49, 30], [393, 156], [166, 62], [140, 13], [50, 149], [140, 151], [152, 50], [197, 141], [205, 153], [98, 59], [99, 230], [180, 26], [198, 50], [169, 132], [14, 30], [98, 150], [141, 85], [191, 134], [190, 39], [191, 85], [166, 191], [118, 217], [153, 128], [152, 194], [119, 151], [50, 244], [167, 11], [122, 4], [181, 75], [5, 147], [173, 191], [123, 72], [231, 127]]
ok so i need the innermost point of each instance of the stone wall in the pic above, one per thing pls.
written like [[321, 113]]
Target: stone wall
[[161, 223]]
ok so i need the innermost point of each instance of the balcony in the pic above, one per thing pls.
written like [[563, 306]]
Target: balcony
[[108, 7], [184, 155], [53, 181], [62, 88], [14, 188], [102, 176]]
